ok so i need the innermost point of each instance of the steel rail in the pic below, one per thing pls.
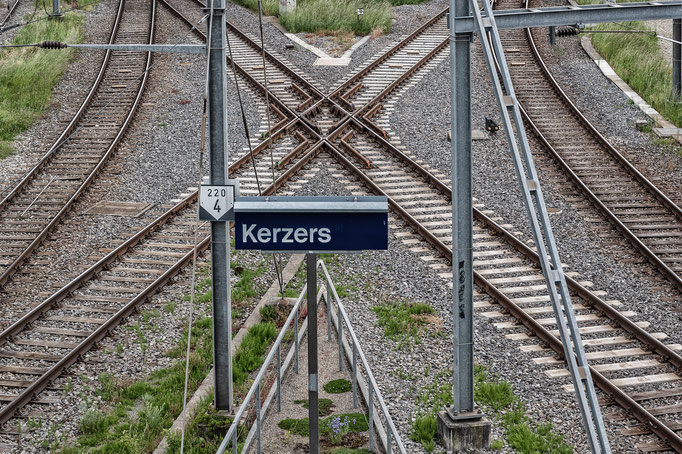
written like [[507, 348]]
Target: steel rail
[[34, 314], [102, 331], [649, 187], [644, 416], [10, 11], [293, 74], [56, 219], [92, 271], [626, 324], [201, 35], [76, 118], [389, 53]]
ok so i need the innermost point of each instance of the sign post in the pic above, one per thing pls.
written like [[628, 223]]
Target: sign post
[[313, 403], [312, 225]]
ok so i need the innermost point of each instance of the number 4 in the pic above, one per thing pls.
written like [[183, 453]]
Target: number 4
[[217, 205]]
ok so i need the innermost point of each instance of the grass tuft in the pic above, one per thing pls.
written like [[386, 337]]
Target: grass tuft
[[424, 431], [338, 386], [403, 321], [249, 356]]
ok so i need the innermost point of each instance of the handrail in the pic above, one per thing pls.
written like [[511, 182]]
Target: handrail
[[390, 435], [393, 432], [232, 432]]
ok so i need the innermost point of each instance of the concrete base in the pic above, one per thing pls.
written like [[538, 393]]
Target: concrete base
[[463, 435]]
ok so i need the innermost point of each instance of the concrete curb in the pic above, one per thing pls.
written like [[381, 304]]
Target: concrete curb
[[207, 385], [668, 129]]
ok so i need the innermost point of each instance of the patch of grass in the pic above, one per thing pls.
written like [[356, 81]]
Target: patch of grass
[[6, 149], [495, 394], [245, 287], [327, 16], [338, 386], [350, 451], [424, 431], [276, 313], [205, 431], [403, 321], [521, 433], [28, 75], [249, 356], [333, 15], [357, 422], [143, 409], [638, 60], [324, 406], [497, 445]]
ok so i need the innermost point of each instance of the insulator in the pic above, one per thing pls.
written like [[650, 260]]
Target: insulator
[[52, 45], [567, 31]]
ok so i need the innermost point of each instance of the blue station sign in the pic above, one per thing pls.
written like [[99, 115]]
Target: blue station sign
[[311, 224]]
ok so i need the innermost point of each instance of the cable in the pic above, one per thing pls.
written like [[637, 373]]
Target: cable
[[241, 106], [275, 260], [196, 228], [96, 114]]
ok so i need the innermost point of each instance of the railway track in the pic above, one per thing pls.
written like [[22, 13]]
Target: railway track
[[506, 269], [626, 358], [31, 210], [624, 355], [641, 212], [41, 345]]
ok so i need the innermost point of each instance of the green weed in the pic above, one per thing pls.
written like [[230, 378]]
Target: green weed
[[324, 406], [249, 356], [338, 386], [28, 75], [403, 321], [424, 431]]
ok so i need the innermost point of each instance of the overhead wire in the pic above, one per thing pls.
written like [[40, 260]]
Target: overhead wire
[[244, 121], [97, 113]]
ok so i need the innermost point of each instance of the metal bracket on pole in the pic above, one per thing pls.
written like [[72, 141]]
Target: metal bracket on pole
[[542, 231]]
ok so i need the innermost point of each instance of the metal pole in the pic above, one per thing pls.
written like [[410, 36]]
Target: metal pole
[[220, 240], [462, 216], [552, 35], [56, 13], [677, 58], [313, 412], [296, 338]]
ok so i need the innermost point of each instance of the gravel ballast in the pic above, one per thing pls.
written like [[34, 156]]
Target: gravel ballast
[[159, 165]]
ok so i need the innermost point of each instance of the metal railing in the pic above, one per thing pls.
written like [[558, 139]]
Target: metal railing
[[369, 389], [387, 437]]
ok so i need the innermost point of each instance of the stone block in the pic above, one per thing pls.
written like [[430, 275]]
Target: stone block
[[463, 435]]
